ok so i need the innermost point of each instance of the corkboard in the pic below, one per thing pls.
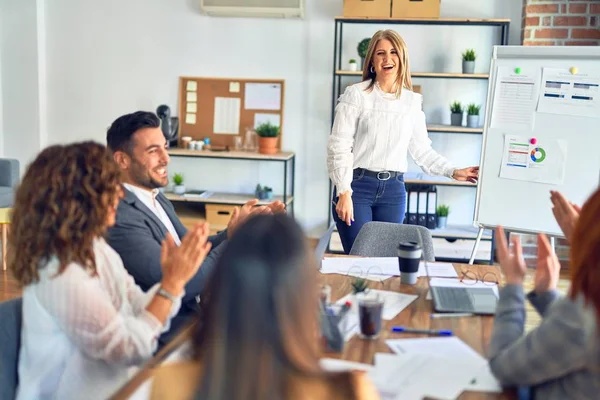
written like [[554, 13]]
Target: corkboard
[[209, 89]]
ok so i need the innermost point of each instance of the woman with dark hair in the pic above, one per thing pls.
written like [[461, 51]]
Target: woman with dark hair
[[560, 359], [258, 333], [84, 318]]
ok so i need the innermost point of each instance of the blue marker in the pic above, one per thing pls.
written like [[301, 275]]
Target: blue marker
[[402, 329]]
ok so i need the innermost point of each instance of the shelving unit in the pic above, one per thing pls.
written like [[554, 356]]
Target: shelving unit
[[187, 205], [457, 232]]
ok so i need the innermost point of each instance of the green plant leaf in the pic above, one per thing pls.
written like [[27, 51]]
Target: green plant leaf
[[473, 109], [363, 46], [267, 129], [178, 179], [443, 210], [469, 55], [456, 108]]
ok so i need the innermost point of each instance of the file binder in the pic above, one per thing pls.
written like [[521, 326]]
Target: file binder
[[432, 208]]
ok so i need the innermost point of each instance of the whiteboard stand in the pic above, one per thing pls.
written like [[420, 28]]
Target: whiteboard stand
[[552, 243], [476, 245]]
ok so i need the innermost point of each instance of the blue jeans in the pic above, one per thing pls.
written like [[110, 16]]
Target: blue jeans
[[373, 200]]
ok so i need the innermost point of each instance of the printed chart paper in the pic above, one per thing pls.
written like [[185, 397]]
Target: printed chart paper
[[570, 94], [514, 100], [227, 115], [543, 162]]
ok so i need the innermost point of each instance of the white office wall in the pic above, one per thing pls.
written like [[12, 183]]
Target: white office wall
[[22, 57], [107, 58]]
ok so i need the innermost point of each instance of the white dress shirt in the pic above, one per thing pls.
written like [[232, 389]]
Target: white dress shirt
[[82, 333], [374, 130], [148, 197]]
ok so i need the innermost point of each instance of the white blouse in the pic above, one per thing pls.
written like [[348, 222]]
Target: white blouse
[[374, 130], [81, 333]]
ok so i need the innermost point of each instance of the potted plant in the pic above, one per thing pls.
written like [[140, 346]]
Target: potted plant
[[352, 65], [359, 287], [263, 192], [362, 48], [456, 115], [267, 138], [178, 186], [468, 64], [442, 215], [473, 115]]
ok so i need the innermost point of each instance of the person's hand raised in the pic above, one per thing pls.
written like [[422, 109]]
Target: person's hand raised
[[180, 264], [241, 214], [565, 213], [511, 258], [547, 270]]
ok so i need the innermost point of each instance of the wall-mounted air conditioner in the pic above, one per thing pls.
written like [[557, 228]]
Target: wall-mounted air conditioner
[[254, 8]]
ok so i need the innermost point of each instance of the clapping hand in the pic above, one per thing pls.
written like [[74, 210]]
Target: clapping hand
[[547, 268], [511, 259], [470, 174], [565, 212], [180, 263], [241, 214]]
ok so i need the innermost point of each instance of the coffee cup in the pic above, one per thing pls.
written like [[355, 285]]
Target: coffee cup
[[409, 257]]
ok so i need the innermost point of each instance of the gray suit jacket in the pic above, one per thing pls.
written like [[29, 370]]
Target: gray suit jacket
[[137, 236]]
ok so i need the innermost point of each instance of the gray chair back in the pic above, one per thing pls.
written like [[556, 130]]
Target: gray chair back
[[10, 342], [380, 239]]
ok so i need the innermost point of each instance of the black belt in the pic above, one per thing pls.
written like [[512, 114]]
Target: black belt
[[381, 175]]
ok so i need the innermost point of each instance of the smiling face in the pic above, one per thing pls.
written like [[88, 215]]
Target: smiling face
[[146, 166], [385, 60]]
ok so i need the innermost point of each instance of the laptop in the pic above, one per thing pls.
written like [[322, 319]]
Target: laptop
[[464, 299], [323, 244]]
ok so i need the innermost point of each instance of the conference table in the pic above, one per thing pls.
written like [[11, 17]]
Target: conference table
[[475, 331]]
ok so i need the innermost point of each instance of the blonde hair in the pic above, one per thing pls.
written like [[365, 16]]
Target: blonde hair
[[403, 78]]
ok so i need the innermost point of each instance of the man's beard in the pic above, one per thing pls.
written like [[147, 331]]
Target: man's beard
[[143, 178]]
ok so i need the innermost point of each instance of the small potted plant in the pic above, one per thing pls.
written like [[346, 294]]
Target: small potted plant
[[178, 186], [442, 215], [456, 114], [473, 115], [359, 287], [268, 193], [362, 48], [352, 65], [468, 61], [263, 192], [267, 138]]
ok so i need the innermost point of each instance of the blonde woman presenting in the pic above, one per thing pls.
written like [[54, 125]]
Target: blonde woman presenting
[[377, 122]]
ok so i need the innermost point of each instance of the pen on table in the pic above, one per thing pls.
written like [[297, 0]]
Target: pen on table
[[403, 329], [344, 310], [450, 315]]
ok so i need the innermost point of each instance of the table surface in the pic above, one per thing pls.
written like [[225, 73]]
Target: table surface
[[474, 331]]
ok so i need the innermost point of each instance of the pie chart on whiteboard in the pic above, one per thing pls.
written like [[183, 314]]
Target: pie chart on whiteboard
[[538, 155]]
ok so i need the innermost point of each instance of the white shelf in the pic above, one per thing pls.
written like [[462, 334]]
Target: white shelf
[[224, 198]]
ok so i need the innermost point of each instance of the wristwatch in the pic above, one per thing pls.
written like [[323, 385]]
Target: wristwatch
[[162, 292]]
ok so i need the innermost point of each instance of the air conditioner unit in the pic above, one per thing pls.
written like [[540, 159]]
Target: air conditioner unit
[[254, 8]]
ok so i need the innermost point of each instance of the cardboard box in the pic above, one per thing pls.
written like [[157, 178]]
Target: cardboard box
[[416, 8], [367, 8], [417, 89]]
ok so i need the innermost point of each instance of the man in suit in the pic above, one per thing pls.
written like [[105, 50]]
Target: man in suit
[[144, 215]]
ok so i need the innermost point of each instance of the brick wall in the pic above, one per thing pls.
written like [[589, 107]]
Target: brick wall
[[561, 23]]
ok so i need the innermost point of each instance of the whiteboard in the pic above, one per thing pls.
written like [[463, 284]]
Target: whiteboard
[[525, 206]]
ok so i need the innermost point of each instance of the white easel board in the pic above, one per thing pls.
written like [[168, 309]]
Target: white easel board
[[541, 133]]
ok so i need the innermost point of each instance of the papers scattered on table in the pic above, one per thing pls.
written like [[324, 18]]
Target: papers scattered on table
[[465, 283], [380, 268], [418, 362], [373, 268], [335, 365]]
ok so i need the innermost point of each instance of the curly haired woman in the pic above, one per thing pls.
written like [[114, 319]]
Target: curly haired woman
[[85, 321]]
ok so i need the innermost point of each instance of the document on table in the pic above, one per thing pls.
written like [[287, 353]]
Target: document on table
[[449, 350], [567, 93], [437, 269], [543, 162], [410, 376], [393, 302], [380, 268], [373, 268], [515, 99]]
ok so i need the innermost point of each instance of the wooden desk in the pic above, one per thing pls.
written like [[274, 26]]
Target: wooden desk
[[474, 331]]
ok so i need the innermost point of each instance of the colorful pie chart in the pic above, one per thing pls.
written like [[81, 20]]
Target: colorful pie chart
[[538, 155]]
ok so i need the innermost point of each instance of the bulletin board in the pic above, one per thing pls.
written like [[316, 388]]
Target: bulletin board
[[222, 108], [540, 134]]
